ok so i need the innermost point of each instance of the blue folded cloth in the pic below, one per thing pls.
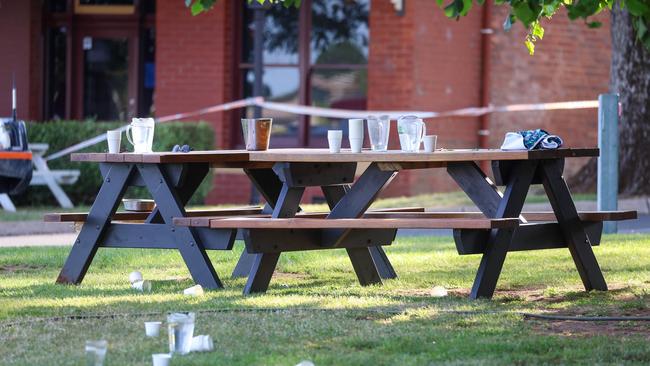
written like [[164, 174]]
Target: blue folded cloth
[[531, 140]]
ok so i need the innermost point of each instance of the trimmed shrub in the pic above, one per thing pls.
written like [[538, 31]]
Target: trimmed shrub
[[61, 134]]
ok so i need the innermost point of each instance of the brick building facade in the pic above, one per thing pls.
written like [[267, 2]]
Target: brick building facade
[[416, 60]]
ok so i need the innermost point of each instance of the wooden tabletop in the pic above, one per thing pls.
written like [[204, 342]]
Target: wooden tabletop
[[236, 157]]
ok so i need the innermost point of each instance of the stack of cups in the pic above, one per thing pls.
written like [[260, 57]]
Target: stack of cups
[[355, 134]]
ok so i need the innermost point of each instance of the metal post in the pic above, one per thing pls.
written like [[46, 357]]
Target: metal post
[[608, 160], [258, 70]]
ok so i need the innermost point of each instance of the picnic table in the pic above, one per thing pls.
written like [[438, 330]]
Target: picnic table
[[281, 176]]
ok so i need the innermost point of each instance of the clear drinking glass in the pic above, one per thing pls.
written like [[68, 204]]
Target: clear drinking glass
[[96, 352], [181, 331], [378, 131]]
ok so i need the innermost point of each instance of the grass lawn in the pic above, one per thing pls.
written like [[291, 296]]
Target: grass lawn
[[316, 310]]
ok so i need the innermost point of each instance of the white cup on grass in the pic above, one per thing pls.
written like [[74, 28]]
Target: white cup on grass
[[334, 138], [161, 359], [355, 134], [152, 329]]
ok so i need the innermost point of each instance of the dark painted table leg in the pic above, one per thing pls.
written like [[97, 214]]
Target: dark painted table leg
[[333, 194], [572, 228], [269, 186], [488, 199], [190, 246], [288, 203], [105, 205]]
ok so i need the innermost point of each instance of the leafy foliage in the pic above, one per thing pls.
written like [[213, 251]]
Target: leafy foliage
[[199, 6], [61, 134], [530, 12]]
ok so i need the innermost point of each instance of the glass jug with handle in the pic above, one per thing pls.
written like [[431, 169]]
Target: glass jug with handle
[[411, 130]]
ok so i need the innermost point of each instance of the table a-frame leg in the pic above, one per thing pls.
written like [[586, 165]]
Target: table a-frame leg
[[333, 194], [106, 203], [190, 246], [486, 196], [571, 226], [269, 186], [288, 203]]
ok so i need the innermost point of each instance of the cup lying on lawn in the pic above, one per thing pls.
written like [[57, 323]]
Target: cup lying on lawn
[[161, 359], [355, 134], [142, 286], [135, 276], [257, 133], [378, 131], [114, 139], [202, 343], [196, 290], [411, 130], [152, 329], [430, 143], [334, 138], [181, 330], [96, 352], [140, 134]]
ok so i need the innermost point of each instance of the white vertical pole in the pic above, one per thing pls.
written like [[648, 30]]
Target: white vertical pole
[[608, 160]]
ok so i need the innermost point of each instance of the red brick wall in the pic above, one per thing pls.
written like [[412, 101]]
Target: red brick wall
[[572, 62], [20, 45]]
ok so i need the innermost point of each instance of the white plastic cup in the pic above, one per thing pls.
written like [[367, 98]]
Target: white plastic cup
[[334, 138], [114, 138], [356, 145], [161, 359], [202, 343], [152, 329], [355, 134], [430, 143], [142, 286], [135, 276], [194, 291]]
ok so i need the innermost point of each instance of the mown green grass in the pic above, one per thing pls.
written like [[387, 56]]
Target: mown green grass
[[316, 310]]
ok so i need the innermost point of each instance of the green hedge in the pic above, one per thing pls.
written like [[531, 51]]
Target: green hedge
[[61, 134]]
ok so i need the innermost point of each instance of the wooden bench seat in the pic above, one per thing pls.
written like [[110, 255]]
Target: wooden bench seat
[[404, 213], [141, 216], [367, 222]]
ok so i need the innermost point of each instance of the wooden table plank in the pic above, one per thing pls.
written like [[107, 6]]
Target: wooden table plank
[[233, 158], [364, 223]]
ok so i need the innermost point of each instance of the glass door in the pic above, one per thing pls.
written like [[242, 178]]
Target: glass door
[[107, 73]]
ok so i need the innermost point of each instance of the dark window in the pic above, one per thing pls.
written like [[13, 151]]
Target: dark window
[[334, 56], [55, 59]]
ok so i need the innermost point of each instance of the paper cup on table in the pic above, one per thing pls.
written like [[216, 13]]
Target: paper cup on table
[[142, 286], [334, 138], [355, 134], [161, 359], [135, 276], [114, 138], [152, 329], [430, 143], [194, 291]]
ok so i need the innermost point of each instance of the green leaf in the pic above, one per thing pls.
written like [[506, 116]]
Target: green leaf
[[531, 46], [197, 8], [537, 30], [637, 7], [440, 2], [480, 2], [524, 13], [594, 24]]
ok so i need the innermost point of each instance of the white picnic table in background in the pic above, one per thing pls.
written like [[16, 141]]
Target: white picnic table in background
[[43, 176]]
